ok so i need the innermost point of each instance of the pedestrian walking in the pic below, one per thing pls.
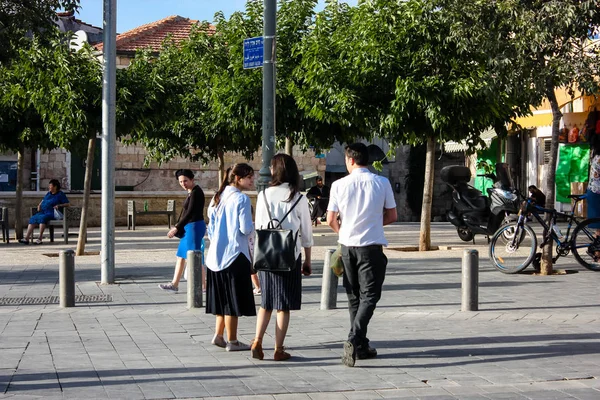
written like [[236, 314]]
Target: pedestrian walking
[[365, 203], [228, 284], [190, 227], [282, 290]]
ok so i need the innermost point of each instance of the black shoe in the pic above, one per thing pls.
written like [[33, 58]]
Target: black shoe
[[349, 356], [363, 353]]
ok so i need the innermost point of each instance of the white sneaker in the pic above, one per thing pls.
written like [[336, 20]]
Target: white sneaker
[[237, 346], [219, 341]]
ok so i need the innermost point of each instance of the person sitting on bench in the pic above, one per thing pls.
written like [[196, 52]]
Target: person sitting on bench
[[53, 200], [319, 194]]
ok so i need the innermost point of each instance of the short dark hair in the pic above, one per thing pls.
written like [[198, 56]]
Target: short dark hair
[[359, 153], [319, 179], [55, 183], [185, 172], [285, 170]]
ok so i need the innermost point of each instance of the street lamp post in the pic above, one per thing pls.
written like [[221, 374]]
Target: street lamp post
[[108, 143], [268, 106]]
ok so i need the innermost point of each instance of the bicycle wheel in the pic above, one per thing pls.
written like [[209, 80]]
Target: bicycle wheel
[[586, 245], [514, 255]]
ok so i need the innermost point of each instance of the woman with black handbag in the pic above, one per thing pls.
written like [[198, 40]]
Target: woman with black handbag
[[228, 285], [190, 227], [282, 290]]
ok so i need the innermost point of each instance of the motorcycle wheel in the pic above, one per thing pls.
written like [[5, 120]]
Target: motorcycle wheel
[[464, 234]]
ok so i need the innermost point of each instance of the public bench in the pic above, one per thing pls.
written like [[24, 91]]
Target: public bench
[[132, 213], [72, 216]]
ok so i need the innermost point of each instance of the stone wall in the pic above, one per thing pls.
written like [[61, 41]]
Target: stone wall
[[130, 170]]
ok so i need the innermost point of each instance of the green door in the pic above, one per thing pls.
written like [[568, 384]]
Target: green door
[[78, 169]]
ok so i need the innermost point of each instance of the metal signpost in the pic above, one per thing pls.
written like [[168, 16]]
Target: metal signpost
[[108, 142], [268, 107]]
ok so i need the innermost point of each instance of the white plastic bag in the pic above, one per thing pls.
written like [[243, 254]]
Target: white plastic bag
[[58, 215]]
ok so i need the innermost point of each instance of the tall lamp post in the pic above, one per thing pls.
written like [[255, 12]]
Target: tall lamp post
[[268, 106], [107, 256]]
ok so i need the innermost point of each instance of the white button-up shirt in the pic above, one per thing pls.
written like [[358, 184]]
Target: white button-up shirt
[[229, 226], [298, 219], [361, 198]]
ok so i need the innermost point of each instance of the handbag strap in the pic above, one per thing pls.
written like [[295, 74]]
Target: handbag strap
[[284, 217]]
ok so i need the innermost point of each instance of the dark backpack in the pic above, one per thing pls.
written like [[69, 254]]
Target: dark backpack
[[590, 124]]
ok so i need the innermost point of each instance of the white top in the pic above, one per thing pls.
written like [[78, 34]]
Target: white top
[[299, 218], [594, 184], [229, 227], [360, 198]]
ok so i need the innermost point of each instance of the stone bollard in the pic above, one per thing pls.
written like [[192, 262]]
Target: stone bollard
[[470, 281], [66, 278], [194, 279], [329, 285]]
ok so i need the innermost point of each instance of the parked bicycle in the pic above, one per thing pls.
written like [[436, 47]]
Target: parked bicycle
[[514, 246]]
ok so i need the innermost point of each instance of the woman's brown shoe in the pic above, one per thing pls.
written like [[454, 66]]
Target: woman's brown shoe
[[256, 349], [280, 354]]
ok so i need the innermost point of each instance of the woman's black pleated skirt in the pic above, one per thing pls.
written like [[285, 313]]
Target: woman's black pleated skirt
[[229, 292], [282, 290]]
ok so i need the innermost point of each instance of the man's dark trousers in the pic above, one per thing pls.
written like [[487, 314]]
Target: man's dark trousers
[[364, 273]]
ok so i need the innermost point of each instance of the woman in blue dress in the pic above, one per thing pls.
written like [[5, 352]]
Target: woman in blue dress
[[190, 228], [55, 199]]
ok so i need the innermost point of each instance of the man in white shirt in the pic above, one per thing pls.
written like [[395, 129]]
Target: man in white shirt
[[365, 203]]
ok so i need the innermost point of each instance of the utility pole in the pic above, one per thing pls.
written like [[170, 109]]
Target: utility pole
[[268, 107], [109, 68]]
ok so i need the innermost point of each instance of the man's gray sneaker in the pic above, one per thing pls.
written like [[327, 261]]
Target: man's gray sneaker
[[349, 356], [237, 346], [168, 287]]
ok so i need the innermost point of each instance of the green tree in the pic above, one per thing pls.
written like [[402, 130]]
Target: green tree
[[398, 70], [534, 48], [19, 18], [49, 98]]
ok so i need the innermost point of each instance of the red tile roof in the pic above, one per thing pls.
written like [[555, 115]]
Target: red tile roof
[[153, 34]]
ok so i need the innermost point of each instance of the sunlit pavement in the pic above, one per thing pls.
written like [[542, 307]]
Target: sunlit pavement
[[533, 337]]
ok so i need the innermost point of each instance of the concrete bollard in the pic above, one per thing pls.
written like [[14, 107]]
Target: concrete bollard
[[470, 281], [329, 285], [66, 278], [194, 279]]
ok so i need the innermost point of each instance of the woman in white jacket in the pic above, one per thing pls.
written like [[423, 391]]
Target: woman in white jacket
[[228, 285], [282, 291]]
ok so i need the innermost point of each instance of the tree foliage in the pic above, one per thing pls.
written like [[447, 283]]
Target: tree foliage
[[18, 18]]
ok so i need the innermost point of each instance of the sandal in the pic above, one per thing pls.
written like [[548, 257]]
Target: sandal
[[256, 349], [37, 241], [280, 354]]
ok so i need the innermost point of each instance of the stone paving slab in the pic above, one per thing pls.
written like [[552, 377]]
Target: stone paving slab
[[532, 338]]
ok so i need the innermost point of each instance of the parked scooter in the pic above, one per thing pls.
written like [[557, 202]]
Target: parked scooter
[[473, 213]]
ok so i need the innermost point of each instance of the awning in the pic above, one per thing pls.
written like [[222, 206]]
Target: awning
[[456, 147]]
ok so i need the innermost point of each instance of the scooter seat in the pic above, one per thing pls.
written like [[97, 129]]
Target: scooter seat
[[473, 198]]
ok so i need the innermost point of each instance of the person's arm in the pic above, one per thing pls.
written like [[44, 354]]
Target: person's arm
[[306, 234], [312, 193], [245, 215], [62, 201], [333, 212], [390, 215]]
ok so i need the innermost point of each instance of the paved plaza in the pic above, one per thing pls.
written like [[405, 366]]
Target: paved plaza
[[534, 337]]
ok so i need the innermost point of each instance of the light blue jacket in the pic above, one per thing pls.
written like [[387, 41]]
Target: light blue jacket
[[229, 227]]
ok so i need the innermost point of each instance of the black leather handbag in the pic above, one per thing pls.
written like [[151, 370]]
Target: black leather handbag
[[274, 247]]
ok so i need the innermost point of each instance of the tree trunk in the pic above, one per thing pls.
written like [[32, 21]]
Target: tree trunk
[[19, 195], [221, 158], [289, 147], [87, 184], [550, 178], [425, 235]]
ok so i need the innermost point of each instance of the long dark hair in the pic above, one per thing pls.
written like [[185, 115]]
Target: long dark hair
[[595, 144], [241, 170], [285, 170]]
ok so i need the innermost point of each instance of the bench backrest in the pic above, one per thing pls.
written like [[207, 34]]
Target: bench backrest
[[171, 205]]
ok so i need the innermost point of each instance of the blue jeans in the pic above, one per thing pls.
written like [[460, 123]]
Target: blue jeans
[[364, 273]]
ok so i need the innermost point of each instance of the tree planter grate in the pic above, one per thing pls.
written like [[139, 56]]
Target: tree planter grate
[[14, 301]]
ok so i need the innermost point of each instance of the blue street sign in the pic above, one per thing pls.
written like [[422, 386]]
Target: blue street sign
[[253, 52]]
